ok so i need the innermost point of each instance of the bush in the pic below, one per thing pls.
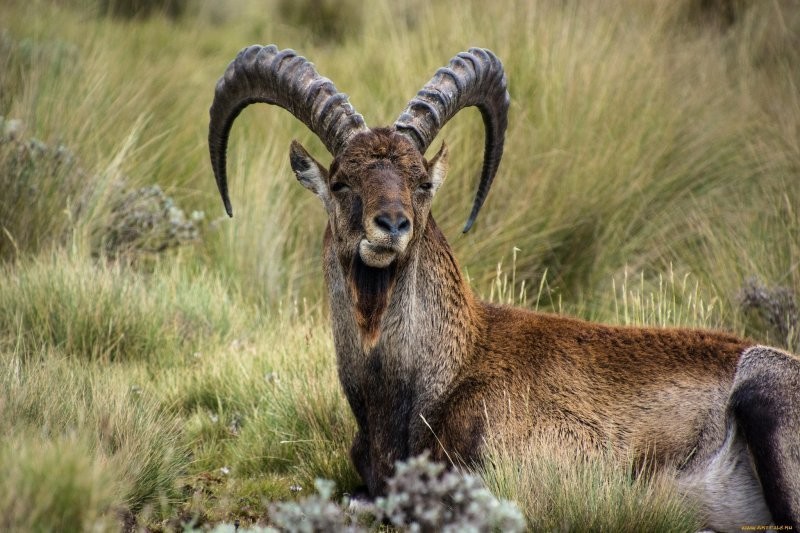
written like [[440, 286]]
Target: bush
[[771, 311], [314, 513], [146, 221], [39, 180], [421, 496]]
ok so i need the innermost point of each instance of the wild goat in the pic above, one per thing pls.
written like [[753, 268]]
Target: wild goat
[[427, 366]]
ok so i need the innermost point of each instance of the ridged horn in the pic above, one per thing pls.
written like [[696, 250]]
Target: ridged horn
[[473, 78], [283, 78]]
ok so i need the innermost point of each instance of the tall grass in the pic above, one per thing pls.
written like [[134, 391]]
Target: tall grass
[[101, 312], [272, 401], [637, 133], [650, 171], [560, 491], [81, 444]]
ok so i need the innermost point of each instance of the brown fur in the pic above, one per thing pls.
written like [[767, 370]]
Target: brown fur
[[590, 384], [427, 366], [593, 385]]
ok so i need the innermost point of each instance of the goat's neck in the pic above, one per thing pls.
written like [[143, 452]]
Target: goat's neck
[[426, 328]]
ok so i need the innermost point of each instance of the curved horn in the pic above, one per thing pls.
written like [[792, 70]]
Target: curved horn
[[283, 78], [473, 78]]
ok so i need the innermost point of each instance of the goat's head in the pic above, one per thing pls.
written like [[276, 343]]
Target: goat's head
[[377, 193], [379, 187]]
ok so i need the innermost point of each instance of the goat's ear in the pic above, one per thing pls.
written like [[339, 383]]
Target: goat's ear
[[437, 168], [308, 171]]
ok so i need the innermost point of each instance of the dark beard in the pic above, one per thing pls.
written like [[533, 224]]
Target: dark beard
[[371, 288]]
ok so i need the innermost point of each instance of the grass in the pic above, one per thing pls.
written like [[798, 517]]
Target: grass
[[82, 445], [560, 491], [650, 176], [100, 312]]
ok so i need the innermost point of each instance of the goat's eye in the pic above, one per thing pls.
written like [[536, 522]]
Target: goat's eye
[[339, 186], [426, 186]]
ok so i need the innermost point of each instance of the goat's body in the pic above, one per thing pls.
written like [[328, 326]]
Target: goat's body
[[426, 366], [650, 390], [450, 373]]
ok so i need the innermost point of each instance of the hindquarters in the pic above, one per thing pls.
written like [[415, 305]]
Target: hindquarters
[[765, 404], [753, 478], [725, 486]]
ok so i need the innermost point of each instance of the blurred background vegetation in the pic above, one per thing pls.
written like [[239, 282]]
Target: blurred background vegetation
[[175, 365]]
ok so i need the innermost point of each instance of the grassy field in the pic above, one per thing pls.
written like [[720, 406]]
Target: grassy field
[[161, 364]]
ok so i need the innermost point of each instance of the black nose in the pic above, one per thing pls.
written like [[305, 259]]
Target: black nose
[[395, 224]]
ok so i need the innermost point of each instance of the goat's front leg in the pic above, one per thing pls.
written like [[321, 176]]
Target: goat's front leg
[[373, 462], [374, 452], [359, 454]]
